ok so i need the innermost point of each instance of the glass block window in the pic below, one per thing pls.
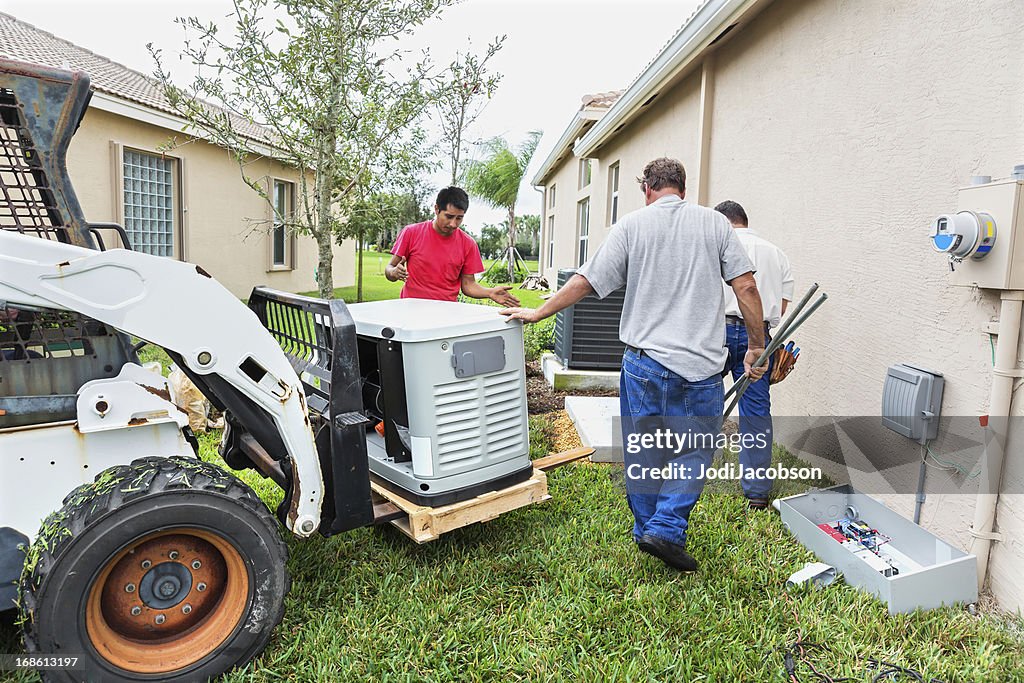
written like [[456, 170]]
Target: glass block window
[[150, 211]]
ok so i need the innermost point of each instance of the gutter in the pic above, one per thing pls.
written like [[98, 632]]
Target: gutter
[[706, 25]]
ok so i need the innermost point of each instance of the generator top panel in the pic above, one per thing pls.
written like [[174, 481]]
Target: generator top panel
[[416, 320]]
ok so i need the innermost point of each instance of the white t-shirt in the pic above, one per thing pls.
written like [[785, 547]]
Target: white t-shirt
[[671, 256], [771, 272]]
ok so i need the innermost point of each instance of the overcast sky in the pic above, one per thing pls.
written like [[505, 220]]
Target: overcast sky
[[556, 52]]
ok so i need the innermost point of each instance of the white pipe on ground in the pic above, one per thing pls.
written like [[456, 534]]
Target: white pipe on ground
[[1003, 375]]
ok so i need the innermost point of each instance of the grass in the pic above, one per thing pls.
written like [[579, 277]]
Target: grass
[[558, 591], [376, 287]]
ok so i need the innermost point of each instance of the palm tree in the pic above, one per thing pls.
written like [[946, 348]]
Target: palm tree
[[495, 180]]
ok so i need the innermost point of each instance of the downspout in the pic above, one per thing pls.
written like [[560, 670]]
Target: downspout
[[707, 97], [1003, 375]]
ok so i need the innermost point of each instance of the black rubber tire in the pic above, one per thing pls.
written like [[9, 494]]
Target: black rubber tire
[[125, 504]]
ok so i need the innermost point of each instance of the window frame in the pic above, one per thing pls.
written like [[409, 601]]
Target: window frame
[[586, 172], [551, 241], [613, 193], [287, 261], [582, 230]]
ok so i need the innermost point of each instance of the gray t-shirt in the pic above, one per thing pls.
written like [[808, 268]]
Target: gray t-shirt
[[672, 257]]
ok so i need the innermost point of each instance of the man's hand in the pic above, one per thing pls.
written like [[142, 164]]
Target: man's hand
[[401, 271], [501, 295], [527, 315], [748, 363]]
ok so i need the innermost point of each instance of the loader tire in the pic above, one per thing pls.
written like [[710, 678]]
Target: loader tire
[[168, 569]]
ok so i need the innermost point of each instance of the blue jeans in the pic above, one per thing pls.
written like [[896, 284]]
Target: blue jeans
[[652, 397], [755, 415]]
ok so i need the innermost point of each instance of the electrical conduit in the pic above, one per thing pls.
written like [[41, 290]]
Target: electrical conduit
[[1003, 375]]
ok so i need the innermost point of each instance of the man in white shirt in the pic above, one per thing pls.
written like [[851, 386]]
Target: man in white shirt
[[775, 285]]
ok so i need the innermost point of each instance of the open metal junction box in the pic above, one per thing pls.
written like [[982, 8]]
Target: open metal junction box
[[913, 570]]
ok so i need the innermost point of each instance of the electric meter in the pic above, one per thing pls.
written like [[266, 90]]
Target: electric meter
[[964, 234]]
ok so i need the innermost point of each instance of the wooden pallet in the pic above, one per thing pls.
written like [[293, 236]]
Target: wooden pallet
[[422, 523]]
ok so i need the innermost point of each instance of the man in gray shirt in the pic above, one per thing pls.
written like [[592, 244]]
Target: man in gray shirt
[[672, 257]]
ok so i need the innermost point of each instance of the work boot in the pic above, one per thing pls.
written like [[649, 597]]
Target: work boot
[[671, 554], [757, 503]]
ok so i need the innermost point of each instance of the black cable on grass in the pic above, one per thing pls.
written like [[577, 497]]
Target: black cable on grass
[[796, 653], [895, 672]]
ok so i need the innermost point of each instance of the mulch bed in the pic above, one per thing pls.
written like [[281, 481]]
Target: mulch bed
[[541, 398]]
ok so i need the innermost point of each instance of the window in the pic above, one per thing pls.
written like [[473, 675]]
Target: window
[[613, 193], [584, 173], [283, 197], [150, 202], [551, 241], [583, 228], [551, 197]]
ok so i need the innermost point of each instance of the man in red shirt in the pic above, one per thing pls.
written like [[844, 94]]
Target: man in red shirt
[[436, 258]]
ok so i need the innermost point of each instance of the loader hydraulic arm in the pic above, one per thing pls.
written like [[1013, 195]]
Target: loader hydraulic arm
[[219, 341]]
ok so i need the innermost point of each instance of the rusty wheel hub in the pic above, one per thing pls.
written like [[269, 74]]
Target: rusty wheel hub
[[167, 601]]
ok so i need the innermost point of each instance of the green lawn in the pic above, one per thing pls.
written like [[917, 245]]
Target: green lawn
[[376, 287], [558, 591]]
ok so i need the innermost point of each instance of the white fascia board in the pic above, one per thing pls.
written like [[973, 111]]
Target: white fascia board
[[155, 117], [565, 142], [687, 45]]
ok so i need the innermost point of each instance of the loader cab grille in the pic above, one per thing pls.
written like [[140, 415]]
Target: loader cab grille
[[27, 203], [45, 356]]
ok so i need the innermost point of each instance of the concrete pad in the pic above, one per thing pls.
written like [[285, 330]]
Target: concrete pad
[[562, 379], [594, 417]]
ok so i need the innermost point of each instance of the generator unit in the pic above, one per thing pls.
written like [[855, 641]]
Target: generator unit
[[587, 333], [445, 387]]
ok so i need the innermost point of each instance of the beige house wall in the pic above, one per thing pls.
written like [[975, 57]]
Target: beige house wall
[[225, 224], [632, 149], [844, 128], [565, 180]]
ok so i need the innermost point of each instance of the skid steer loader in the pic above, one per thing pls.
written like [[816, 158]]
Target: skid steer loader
[[120, 547]]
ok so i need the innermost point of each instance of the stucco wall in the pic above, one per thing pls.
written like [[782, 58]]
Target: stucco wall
[[844, 127], [218, 209], [631, 149], [842, 149], [565, 179]]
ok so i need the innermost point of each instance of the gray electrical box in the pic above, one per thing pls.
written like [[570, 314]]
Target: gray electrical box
[[911, 401], [924, 571]]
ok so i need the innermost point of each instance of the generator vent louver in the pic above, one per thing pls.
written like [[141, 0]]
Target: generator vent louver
[[587, 334], [478, 416]]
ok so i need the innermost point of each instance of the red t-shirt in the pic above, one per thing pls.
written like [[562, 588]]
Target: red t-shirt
[[436, 264]]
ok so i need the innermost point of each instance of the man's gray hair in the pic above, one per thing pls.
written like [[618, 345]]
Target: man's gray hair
[[664, 172]]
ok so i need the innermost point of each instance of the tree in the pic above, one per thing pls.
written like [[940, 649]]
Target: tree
[[468, 83], [528, 228], [335, 99], [492, 240], [383, 214], [495, 179]]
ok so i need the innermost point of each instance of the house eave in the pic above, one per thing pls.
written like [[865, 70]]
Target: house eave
[[155, 117], [692, 41]]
